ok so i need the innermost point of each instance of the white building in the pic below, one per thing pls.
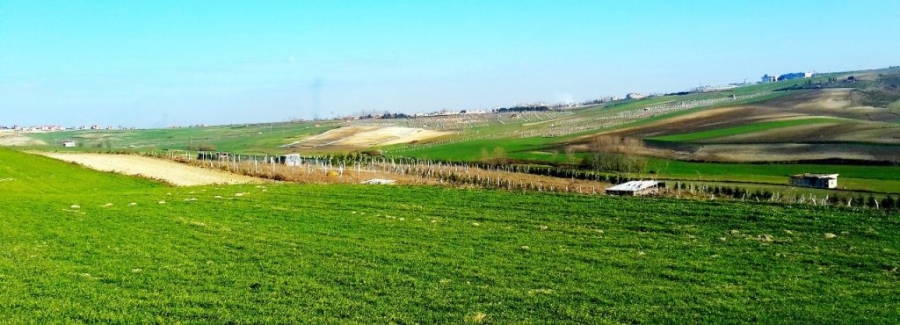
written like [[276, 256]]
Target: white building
[[770, 78], [815, 180]]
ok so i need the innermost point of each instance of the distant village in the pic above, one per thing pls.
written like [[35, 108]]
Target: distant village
[[57, 128], [539, 106]]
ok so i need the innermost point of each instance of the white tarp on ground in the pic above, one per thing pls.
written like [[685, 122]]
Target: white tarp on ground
[[377, 181], [633, 186]]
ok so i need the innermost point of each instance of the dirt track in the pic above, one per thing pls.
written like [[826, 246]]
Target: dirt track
[[172, 172]]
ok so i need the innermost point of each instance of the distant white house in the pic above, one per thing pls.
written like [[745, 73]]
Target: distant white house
[[635, 96], [68, 144], [787, 76], [634, 188]]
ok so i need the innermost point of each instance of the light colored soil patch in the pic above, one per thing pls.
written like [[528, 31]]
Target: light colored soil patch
[[366, 136], [792, 152], [895, 106], [827, 99], [15, 139], [840, 131], [716, 118], [172, 172]]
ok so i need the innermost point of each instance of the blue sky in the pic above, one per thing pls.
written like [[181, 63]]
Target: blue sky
[[162, 63]]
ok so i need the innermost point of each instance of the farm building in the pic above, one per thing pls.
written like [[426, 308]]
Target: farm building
[[769, 78], [787, 76], [634, 188], [68, 144], [815, 180], [795, 75], [291, 160]]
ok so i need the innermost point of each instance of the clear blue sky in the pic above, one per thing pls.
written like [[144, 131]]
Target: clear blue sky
[[162, 63]]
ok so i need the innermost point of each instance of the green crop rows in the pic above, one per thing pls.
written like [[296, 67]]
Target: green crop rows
[[744, 129]]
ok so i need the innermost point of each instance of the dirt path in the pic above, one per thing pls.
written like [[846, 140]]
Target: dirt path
[[172, 172]]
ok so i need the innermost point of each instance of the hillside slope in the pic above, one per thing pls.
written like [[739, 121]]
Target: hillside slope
[[95, 247]]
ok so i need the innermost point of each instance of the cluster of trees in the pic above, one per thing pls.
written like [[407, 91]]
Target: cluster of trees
[[540, 108], [614, 154], [202, 147], [386, 115]]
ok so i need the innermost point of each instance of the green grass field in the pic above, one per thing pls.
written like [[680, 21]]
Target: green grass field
[[361, 254], [247, 139], [743, 129]]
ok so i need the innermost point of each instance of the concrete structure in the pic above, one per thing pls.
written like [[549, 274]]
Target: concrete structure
[[634, 96], [634, 188], [68, 144], [291, 160], [770, 78], [815, 180], [378, 181]]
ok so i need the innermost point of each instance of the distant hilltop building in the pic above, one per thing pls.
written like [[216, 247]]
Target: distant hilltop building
[[768, 78], [635, 96], [788, 76]]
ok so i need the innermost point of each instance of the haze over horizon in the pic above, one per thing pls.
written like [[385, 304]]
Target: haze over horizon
[[164, 63]]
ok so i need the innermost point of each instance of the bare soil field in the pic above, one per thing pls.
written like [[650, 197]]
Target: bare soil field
[[794, 152], [874, 130], [367, 136], [811, 103], [881, 133], [15, 139], [843, 103], [712, 119], [169, 171]]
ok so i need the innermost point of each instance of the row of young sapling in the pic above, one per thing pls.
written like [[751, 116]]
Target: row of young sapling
[[463, 122], [887, 202], [354, 168]]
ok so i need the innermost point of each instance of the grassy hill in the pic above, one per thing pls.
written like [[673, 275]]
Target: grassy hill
[[73, 248]]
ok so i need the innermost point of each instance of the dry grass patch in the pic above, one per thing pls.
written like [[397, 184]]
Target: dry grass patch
[[168, 171]]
